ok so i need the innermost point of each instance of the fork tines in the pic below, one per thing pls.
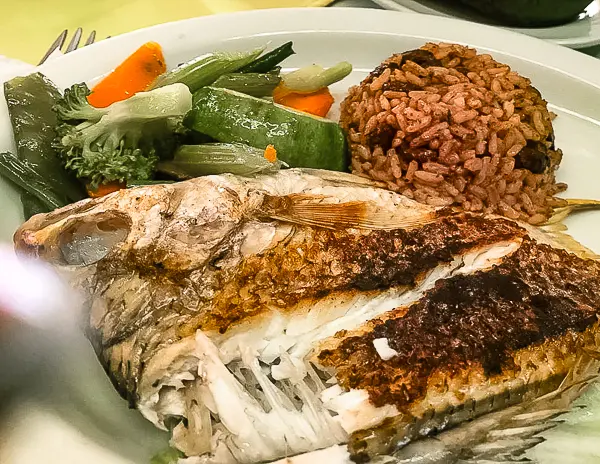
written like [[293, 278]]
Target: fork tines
[[73, 44]]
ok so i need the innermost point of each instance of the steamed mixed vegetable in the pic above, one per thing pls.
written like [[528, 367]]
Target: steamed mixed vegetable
[[123, 141], [141, 124]]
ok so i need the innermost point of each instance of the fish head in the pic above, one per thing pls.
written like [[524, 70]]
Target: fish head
[[171, 226], [77, 235]]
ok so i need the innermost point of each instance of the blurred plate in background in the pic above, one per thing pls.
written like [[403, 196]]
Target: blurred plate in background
[[585, 32]]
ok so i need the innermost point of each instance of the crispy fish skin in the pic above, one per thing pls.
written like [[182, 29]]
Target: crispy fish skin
[[209, 262], [523, 323]]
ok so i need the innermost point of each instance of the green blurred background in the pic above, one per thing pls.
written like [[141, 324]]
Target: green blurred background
[[28, 27]]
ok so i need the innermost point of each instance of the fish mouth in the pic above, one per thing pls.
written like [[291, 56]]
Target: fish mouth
[[269, 368]]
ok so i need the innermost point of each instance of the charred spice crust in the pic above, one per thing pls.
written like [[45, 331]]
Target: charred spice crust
[[537, 294], [337, 261]]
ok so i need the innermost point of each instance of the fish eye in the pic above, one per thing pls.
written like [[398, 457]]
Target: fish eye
[[86, 242]]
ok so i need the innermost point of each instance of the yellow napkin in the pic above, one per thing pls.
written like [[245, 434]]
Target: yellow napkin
[[28, 27]]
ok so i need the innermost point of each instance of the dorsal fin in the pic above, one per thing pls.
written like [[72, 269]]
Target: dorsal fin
[[505, 435]]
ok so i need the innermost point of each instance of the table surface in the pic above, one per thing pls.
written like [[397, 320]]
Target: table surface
[[26, 36]]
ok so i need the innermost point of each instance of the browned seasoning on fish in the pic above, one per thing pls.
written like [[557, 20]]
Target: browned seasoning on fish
[[319, 261], [481, 318]]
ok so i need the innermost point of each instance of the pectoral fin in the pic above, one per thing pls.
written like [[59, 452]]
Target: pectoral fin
[[320, 211]]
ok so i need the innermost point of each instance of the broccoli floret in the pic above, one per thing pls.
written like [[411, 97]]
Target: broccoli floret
[[74, 105], [123, 141]]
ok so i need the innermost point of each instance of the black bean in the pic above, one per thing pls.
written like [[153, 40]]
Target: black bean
[[533, 158], [423, 58]]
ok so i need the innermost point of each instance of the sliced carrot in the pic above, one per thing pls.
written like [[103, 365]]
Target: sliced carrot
[[133, 75], [104, 189], [280, 93], [318, 103], [270, 154]]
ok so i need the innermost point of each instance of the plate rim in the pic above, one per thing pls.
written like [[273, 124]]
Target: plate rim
[[569, 62], [576, 43]]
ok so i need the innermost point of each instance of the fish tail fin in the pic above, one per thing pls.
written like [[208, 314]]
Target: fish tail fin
[[555, 234], [572, 205], [556, 230], [515, 434]]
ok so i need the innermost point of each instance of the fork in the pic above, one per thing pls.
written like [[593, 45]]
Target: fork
[[73, 44]]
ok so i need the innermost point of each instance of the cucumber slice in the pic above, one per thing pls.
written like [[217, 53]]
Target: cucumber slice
[[301, 140]]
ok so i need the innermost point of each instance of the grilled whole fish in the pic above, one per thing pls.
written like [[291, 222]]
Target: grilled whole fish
[[261, 318]]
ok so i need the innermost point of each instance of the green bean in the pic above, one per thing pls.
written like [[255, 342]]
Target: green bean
[[22, 174], [30, 100], [269, 60], [32, 205]]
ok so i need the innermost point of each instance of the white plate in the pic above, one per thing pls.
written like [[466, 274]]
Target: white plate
[[569, 80], [582, 33]]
